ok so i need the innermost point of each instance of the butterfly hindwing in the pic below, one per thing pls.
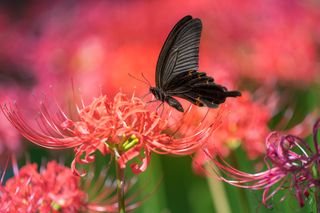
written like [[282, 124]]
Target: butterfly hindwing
[[199, 89]]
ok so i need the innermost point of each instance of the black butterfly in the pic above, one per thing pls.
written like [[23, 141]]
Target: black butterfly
[[177, 70]]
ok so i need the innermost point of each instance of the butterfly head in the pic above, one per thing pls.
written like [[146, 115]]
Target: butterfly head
[[158, 94]]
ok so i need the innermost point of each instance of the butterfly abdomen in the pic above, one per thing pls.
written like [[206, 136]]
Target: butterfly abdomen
[[233, 93], [174, 103]]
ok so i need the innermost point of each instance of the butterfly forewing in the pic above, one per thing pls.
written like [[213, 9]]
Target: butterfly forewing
[[180, 52]]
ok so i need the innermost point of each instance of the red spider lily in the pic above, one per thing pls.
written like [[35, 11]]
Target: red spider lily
[[56, 189], [293, 166], [123, 127]]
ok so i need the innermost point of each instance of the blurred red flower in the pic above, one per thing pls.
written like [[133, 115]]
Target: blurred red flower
[[268, 41], [51, 190], [244, 124]]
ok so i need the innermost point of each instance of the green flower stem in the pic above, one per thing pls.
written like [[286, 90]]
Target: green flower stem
[[244, 202], [317, 190], [317, 199], [218, 194], [120, 187], [315, 171]]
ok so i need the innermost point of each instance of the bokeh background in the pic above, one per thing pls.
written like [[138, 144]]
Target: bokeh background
[[270, 50]]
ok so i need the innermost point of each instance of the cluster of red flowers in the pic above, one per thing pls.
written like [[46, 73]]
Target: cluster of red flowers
[[54, 189]]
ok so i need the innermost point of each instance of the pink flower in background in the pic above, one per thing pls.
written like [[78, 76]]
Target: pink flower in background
[[291, 166], [123, 127]]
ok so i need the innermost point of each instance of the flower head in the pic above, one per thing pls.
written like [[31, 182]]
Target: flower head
[[56, 189], [123, 127], [293, 166]]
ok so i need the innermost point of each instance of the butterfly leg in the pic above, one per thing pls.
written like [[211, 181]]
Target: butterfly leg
[[182, 120], [162, 109], [159, 107]]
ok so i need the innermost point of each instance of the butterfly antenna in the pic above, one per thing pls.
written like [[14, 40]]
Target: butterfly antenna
[[182, 120], [147, 83], [162, 109], [146, 79], [158, 107], [205, 116]]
